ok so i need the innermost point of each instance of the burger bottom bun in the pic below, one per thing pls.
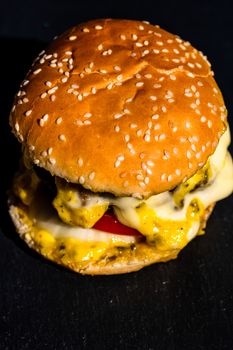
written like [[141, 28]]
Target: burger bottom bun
[[127, 261]]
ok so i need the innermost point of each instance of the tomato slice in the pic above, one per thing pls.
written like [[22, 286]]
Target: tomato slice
[[109, 223]]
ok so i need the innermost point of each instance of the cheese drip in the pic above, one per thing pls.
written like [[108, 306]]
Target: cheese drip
[[164, 224]]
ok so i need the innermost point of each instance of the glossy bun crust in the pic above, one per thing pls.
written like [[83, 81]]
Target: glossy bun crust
[[119, 106], [128, 261]]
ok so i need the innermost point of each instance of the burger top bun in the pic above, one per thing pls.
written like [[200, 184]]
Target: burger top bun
[[119, 106]]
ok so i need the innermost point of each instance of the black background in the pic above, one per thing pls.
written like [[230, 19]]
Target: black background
[[183, 304]]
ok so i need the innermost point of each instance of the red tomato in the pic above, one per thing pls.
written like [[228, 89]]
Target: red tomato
[[109, 223]]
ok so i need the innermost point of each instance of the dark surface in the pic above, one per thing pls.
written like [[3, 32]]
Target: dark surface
[[183, 304]]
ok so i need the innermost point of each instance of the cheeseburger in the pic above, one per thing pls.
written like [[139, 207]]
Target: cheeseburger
[[124, 147]]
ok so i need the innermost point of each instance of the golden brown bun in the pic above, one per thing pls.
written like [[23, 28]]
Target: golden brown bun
[[119, 106], [128, 261]]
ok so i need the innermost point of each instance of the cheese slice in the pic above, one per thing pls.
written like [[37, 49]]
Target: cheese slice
[[163, 223]]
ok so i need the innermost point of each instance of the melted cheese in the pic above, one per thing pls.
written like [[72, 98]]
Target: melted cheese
[[158, 218]]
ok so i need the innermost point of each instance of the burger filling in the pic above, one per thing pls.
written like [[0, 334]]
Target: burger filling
[[92, 223]]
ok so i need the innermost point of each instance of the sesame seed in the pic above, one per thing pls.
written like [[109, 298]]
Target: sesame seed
[[187, 125], [188, 94], [134, 37], [157, 127], [146, 180], [58, 120], [133, 125], [50, 150], [139, 84], [48, 83], [139, 177], [193, 147], [87, 122], [147, 138], [209, 123], [178, 172], [123, 37], [80, 97], [163, 177], [62, 137], [145, 52], [37, 71], [199, 83], [25, 82], [86, 30], [109, 86], [125, 183], [44, 154], [188, 154], [81, 180], [139, 132], [36, 161], [119, 77], [28, 113], [47, 57], [139, 44], [80, 162], [203, 119], [51, 91], [191, 65], [164, 109], [117, 164], [72, 37], [127, 138], [91, 175], [141, 27], [191, 75], [169, 178], [87, 115], [45, 117], [52, 161], [157, 86], [162, 137], [155, 116], [17, 127], [172, 77], [121, 158], [153, 98], [150, 163], [98, 27], [117, 128], [87, 70], [31, 148], [166, 154], [64, 80], [118, 115]]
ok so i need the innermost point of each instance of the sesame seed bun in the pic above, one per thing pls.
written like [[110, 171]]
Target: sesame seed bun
[[119, 106], [127, 261]]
